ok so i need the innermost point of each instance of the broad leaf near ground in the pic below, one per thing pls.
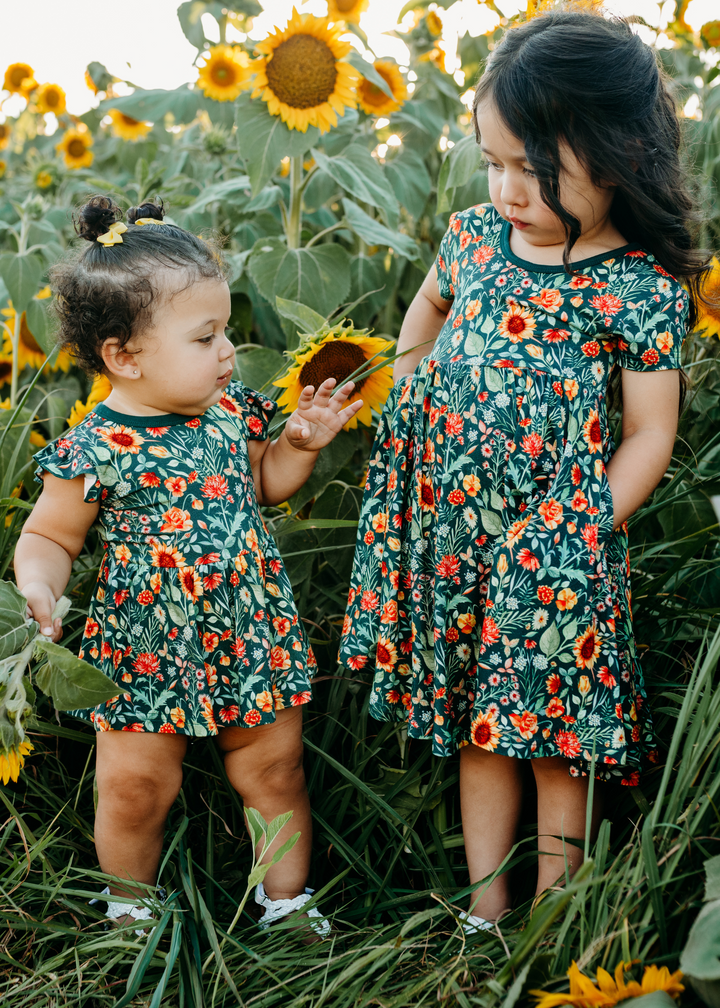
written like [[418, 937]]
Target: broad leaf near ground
[[317, 276], [70, 682], [21, 274]]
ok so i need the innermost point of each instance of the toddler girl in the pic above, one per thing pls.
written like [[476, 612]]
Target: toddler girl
[[490, 593], [193, 613]]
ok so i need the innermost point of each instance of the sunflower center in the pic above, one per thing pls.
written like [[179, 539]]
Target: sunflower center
[[76, 148], [335, 360], [5, 371], [223, 73], [18, 75], [52, 98], [302, 71], [128, 120]]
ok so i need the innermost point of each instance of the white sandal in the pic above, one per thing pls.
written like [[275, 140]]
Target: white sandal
[[474, 925], [117, 910], [278, 909]]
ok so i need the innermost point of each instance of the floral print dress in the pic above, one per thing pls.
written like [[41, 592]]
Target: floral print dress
[[490, 595], [193, 614]]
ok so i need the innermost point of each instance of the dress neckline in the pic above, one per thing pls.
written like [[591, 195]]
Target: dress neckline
[[162, 420], [542, 268]]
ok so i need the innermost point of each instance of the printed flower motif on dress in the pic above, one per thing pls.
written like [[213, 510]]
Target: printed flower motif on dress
[[490, 595], [193, 614]]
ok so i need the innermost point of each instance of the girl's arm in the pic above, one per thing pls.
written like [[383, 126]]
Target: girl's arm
[[51, 540], [649, 425], [422, 323], [281, 467]]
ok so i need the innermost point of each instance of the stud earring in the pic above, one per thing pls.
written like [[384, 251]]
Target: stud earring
[[134, 372]]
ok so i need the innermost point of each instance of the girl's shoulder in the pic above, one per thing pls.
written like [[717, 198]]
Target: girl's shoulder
[[77, 452], [244, 405], [482, 218]]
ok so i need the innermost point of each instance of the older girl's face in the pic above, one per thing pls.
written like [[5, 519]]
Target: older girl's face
[[515, 192]]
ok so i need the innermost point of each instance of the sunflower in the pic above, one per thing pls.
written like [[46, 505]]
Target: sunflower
[[711, 33], [99, 390], [346, 10], [5, 132], [609, 992], [225, 73], [16, 76], [337, 353], [12, 760], [302, 76], [45, 176], [374, 101], [127, 128], [709, 322], [30, 353], [90, 83], [3, 167], [75, 148], [50, 98], [434, 24]]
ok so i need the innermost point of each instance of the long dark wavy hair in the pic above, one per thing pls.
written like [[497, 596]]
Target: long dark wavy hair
[[589, 80]]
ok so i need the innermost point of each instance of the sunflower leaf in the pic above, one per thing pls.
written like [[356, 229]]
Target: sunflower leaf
[[369, 72], [318, 277], [264, 140], [307, 320], [21, 274], [357, 171], [69, 681], [375, 233], [37, 321]]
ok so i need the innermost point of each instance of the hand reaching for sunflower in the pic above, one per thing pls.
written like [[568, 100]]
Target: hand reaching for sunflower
[[281, 467], [319, 417]]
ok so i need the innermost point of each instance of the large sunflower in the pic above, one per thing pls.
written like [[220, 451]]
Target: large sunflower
[[225, 73], [12, 760], [302, 76], [346, 10], [709, 320], [5, 132], [30, 353], [16, 76], [374, 101], [127, 128], [75, 148], [50, 98], [337, 353]]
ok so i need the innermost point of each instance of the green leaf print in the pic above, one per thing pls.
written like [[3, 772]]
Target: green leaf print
[[550, 640], [490, 522], [493, 380], [176, 614]]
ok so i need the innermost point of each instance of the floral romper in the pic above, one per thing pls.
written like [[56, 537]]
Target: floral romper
[[193, 614], [490, 595]]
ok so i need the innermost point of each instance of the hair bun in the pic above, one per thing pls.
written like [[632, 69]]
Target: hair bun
[[96, 217], [153, 210]]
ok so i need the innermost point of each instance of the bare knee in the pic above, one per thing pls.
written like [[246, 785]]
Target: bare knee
[[269, 774], [139, 799]]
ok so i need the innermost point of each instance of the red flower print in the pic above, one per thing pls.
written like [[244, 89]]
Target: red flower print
[[238, 648], [173, 633], [532, 444], [551, 513], [212, 581], [281, 626], [149, 479], [555, 708], [297, 699], [456, 497], [578, 282], [591, 348], [451, 634], [356, 662], [369, 601], [230, 713], [590, 537], [453, 424], [606, 677], [457, 322], [606, 304], [389, 612], [121, 596], [215, 486], [252, 717], [484, 731], [146, 664], [135, 726], [490, 631], [210, 641], [587, 648], [176, 485], [579, 501], [556, 336], [91, 627], [575, 474], [546, 594], [167, 728], [145, 597], [527, 559], [482, 254], [279, 658], [568, 743], [650, 356], [448, 566], [255, 424], [553, 683], [526, 723]]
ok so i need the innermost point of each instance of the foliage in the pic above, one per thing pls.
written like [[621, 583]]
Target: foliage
[[319, 228]]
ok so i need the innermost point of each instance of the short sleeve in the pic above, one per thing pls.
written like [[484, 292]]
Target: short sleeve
[[657, 344], [443, 260], [258, 412], [67, 459]]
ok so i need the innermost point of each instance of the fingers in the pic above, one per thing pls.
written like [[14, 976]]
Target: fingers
[[349, 412]]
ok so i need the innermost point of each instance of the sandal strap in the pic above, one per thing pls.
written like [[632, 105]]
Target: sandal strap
[[474, 925], [278, 909]]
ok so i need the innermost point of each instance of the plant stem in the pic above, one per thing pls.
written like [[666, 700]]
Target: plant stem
[[294, 225], [222, 25], [22, 246]]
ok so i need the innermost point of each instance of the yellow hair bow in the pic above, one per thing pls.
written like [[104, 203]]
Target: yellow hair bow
[[112, 237], [149, 220]]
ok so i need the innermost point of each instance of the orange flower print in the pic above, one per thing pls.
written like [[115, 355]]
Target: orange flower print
[[579, 501], [490, 632], [92, 627], [526, 723], [606, 677], [210, 641], [546, 594], [471, 484], [207, 713], [514, 533], [532, 444], [548, 299], [466, 622], [426, 495], [571, 388], [297, 699], [176, 520], [385, 654], [149, 479], [176, 485], [578, 282], [553, 683], [123, 554], [664, 342], [177, 716], [650, 356], [162, 555], [146, 664], [517, 324], [566, 599], [482, 254], [252, 717], [607, 304], [551, 513], [592, 432], [215, 486], [281, 626], [587, 648], [389, 612], [527, 559], [265, 701], [484, 731], [568, 743], [473, 309], [190, 583], [279, 659], [122, 439], [555, 708]]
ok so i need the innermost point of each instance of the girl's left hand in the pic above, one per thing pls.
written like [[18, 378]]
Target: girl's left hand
[[319, 418]]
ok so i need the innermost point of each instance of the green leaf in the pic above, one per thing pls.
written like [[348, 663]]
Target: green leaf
[[285, 849], [12, 642], [99, 75], [264, 140], [375, 233], [712, 878], [550, 640], [276, 825], [257, 827], [410, 180], [21, 274], [152, 106], [13, 605], [329, 462], [175, 613], [318, 277], [459, 166], [266, 198], [71, 683], [190, 18], [357, 171], [490, 522], [338, 510], [259, 365], [15, 427], [369, 72], [38, 325], [307, 320], [220, 191], [701, 956]]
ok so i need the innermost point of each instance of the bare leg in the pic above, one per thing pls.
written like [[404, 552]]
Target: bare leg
[[562, 802], [139, 775], [490, 795], [264, 765]]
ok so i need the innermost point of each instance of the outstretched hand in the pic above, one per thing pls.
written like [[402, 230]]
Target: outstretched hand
[[318, 417]]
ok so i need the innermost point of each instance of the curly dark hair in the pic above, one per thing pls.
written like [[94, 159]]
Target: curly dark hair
[[589, 80], [104, 292]]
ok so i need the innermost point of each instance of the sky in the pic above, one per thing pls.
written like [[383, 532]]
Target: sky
[[141, 40]]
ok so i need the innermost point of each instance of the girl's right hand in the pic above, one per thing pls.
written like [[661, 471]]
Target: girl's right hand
[[41, 603]]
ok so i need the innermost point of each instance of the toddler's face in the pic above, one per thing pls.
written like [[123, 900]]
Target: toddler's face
[[515, 192], [185, 358]]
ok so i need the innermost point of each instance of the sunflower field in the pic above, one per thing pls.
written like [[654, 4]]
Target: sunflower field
[[329, 176]]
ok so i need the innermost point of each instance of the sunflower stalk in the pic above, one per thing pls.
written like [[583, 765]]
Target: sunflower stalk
[[26, 220], [293, 229]]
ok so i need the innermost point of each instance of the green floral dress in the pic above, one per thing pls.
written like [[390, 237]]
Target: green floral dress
[[490, 595], [193, 614]]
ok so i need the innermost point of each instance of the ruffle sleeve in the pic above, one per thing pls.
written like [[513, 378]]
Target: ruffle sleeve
[[443, 262], [258, 411], [67, 458], [653, 341]]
